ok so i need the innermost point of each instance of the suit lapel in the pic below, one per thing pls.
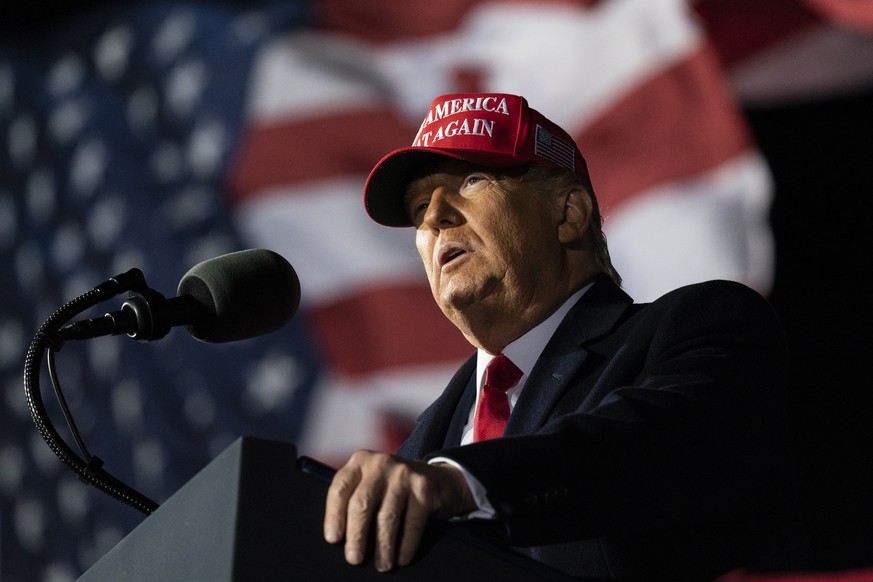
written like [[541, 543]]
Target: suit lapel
[[594, 315], [442, 423]]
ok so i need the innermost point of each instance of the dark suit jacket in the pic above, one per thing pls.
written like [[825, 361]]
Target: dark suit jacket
[[649, 442]]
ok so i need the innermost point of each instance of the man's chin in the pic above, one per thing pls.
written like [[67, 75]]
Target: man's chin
[[453, 300]]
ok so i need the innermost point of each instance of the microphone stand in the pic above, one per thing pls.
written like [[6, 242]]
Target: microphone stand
[[51, 338]]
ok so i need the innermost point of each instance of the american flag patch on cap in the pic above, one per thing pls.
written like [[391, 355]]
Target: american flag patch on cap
[[554, 149]]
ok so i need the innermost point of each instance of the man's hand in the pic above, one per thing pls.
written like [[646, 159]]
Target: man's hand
[[398, 497]]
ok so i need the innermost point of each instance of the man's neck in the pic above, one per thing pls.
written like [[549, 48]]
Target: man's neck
[[492, 330]]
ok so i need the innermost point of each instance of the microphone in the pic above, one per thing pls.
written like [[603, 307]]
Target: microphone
[[233, 297]]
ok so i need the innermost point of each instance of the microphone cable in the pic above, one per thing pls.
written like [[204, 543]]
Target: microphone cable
[[90, 469], [233, 297]]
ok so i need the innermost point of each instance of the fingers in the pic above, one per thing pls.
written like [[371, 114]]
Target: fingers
[[396, 498], [362, 506], [388, 527], [350, 505], [413, 528], [406, 507], [336, 504]]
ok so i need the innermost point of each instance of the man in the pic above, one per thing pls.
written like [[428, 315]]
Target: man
[[643, 442]]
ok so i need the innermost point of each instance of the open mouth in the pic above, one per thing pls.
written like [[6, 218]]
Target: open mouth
[[450, 254]]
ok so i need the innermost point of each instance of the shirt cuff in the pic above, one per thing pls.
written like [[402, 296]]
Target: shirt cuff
[[480, 498]]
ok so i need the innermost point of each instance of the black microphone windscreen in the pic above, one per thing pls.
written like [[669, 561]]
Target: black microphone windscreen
[[247, 293]]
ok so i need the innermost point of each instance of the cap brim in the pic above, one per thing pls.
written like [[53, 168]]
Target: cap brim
[[386, 185]]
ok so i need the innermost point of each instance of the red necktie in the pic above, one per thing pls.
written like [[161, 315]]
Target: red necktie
[[493, 409]]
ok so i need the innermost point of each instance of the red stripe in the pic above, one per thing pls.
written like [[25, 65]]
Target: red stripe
[[314, 148], [858, 15], [394, 427], [855, 575], [743, 28], [678, 124], [386, 327], [386, 21]]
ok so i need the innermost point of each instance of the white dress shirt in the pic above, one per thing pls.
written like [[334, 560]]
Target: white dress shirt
[[524, 353]]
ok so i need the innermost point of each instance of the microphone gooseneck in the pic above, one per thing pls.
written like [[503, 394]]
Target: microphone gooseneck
[[233, 297]]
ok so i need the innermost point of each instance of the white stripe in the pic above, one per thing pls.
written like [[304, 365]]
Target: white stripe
[[570, 63], [307, 74], [323, 231], [345, 416], [712, 226]]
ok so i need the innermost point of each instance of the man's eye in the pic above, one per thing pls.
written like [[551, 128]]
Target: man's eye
[[473, 180], [417, 209]]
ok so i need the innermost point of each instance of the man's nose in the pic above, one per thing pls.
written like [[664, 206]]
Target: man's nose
[[442, 209]]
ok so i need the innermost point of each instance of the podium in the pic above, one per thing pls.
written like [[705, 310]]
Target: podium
[[255, 513]]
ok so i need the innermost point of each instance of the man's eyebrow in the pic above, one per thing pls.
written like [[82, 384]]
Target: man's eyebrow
[[408, 193]]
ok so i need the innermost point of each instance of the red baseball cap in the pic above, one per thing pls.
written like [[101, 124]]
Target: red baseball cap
[[492, 129]]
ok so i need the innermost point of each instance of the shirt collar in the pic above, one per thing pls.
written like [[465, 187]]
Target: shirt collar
[[525, 351]]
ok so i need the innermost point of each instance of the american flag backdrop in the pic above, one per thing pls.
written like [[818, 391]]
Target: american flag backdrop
[[159, 134]]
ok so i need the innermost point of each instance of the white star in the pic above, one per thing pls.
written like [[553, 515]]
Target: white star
[[174, 35], [22, 140], [205, 148], [41, 195], [68, 119], [87, 166], [30, 524], [127, 406], [68, 245], [272, 383], [112, 52], [66, 75], [184, 87], [106, 220]]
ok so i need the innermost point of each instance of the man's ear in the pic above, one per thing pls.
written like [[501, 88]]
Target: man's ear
[[576, 217]]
